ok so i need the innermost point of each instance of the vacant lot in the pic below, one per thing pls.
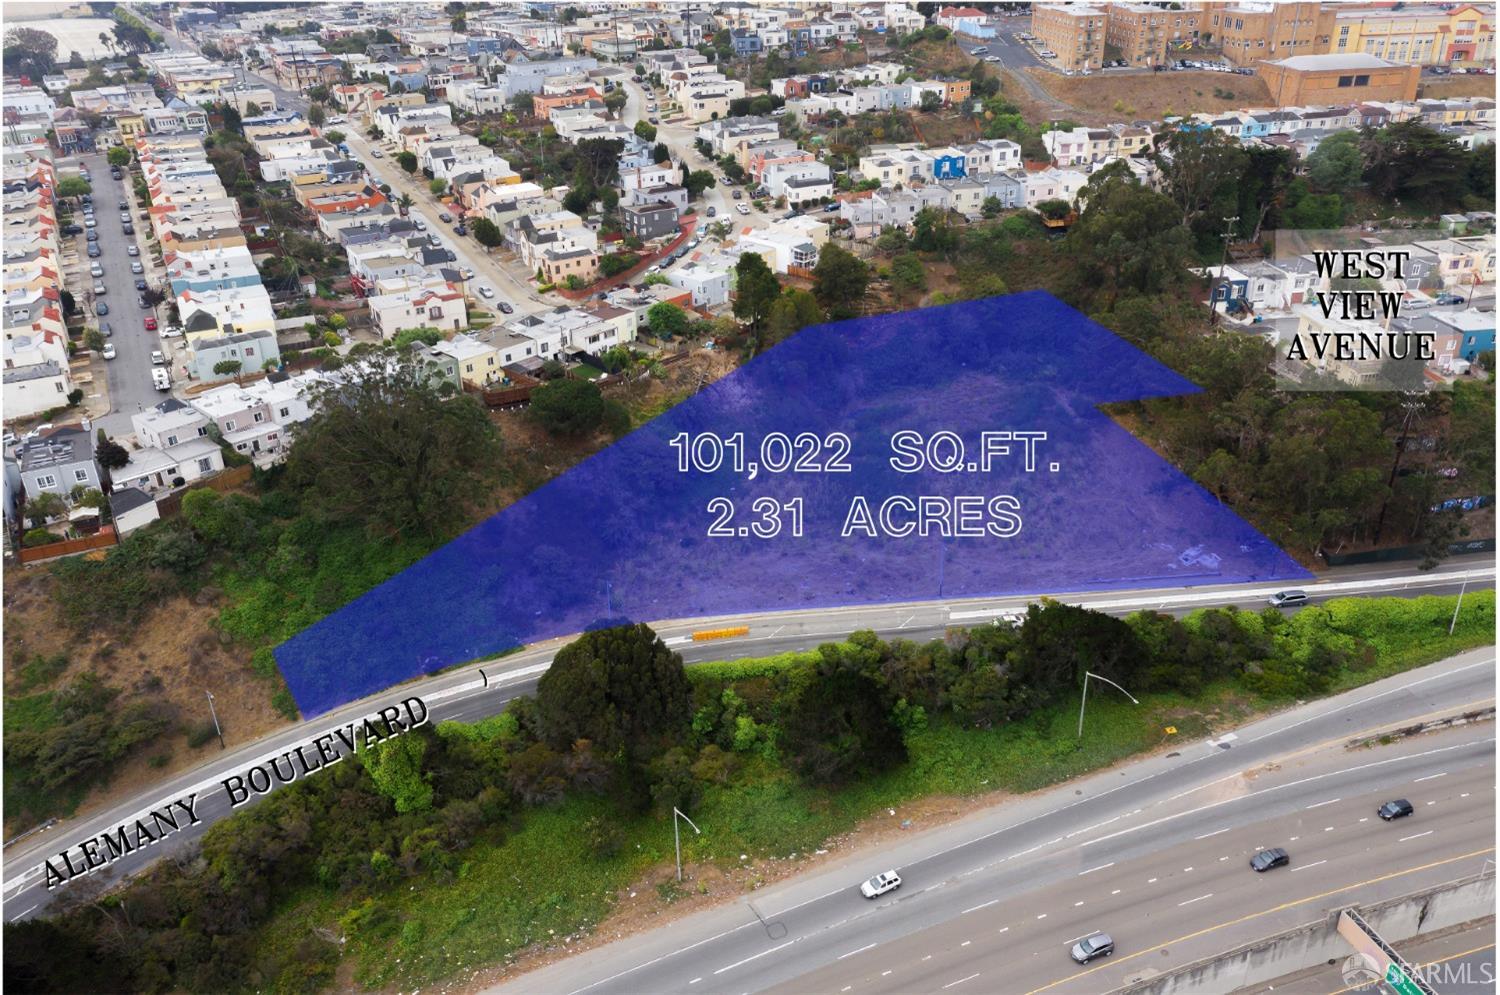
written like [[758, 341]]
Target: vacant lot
[[1103, 98], [1438, 87]]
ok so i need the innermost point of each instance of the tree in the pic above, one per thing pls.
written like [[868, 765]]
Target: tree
[[908, 277], [522, 104], [615, 101], [756, 288], [407, 161], [252, 109], [1199, 168], [930, 102], [840, 279], [118, 157], [1126, 241], [110, 454], [392, 450], [621, 688], [336, 137], [660, 153], [568, 407], [840, 725], [228, 367], [438, 187], [793, 311], [43, 506], [405, 202], [487, 233], [73, 186], [316, 115], [698, 181], [666, 319], [93, 339], [1336, 165], [933, 231], [30, 52], [1410, 161], [646, 130]]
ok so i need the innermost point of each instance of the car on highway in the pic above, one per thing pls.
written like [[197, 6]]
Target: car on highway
[[1281, 598], [131, 250], [1268, 859], [101, 308], [486, 293], [150, 324], [979, 50], [1397, 808], [992, 58], [505, 308], [157, 359], [880, 884], [1091, 946], [108, 351]]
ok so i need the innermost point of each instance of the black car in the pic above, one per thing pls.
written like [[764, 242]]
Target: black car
[[1267, 859], [114, 174], [105, 329], [72, 229], [94, 252], [505, 308], [140, 284], [142, 302], [1398, 808], [101, 308], [128, 228], [92, 236]]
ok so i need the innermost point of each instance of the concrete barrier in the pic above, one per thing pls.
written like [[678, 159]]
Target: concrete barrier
[[1418, 913], [1402, 732]]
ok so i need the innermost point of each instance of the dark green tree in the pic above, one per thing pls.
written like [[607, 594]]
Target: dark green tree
[[839, 281], [840, 725], [756, 289], [568, 407]]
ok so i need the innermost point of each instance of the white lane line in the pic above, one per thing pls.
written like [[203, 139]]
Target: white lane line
[[1430, 777], [994, 901], [677, 640], [886, 974], [1303, 867], [1042, 916], [1099, 868], [853, 952], [30, 910], [966, 943], [906, 623], [1190, 901], [695, 981], [1151, 880], [1214, 833], [1115, 892], [763, 953], [1186, 870], [1077, 904], [1327, 829], [1321, 804], [959, 981], [1003, 929], [1416, 837]]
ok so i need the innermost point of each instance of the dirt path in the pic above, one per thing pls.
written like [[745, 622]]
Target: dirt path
[[1035, 101]]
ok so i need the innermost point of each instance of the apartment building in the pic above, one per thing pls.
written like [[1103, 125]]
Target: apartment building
[[1416, 34], [1143, 33], [1076, 32], [1250, 31]]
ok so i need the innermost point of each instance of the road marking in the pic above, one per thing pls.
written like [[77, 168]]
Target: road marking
[[1416, 837], [1077, 904], [853, 952], [928, 957], [1321, 804], [763, 953], [1151, 880], [1294, 839], [1190, 901], [1099, 868], [959, 981], [1186, 870], [884, 974], [966, 943], [906, 623], [27, 912], [1303, 867], [1256, 915], [1115, 892], [1003, 929], [1042, 916], [976, 908], [1214, 833], [695, 981], [1327, 829], [1430, 777]]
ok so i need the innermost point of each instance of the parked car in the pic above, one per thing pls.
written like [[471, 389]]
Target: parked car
[[1287, 598], [140, 284], [100, 290], [712, 210], [880, 884], [105, 329], [737, 194], [1447, 299], [114, 174], [108, 351], [131, 250], [1398, 808], [157, 359], [92, 236], [95, 269], [742, 208], [72, 229], [1267, 859], [1091, 946], [150, 324], [128, 228], [88, 221], [94, 250], [136, 267], [101, 307]]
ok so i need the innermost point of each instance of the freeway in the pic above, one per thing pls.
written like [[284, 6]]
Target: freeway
[[472, 692], [1153, 851]]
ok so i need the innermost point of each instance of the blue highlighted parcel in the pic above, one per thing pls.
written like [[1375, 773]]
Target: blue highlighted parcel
[[950, 452]]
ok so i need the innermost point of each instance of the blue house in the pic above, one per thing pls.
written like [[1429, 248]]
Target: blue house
[[745, 42], [1476, 330]]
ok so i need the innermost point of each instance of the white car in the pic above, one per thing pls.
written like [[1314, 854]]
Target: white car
[[109, 350], [880, 884], [157, 359], [486, 293], [743, 209]]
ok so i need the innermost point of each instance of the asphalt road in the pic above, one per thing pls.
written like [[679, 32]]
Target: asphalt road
[[129, 373], [1010, 879], [1012, 53], [464, 694]]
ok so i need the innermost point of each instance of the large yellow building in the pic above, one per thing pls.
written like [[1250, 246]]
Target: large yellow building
[[1250, 31], [1074, 31], [1416, 34]]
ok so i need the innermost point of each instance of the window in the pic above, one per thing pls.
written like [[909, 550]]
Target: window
[[81, 476], [205, 465], [284, 412], [46, 480], [1346, 81], [202, 431], [171, 440], [1361, 81], [229, 425]]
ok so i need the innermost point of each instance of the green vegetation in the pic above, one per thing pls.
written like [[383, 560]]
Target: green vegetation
[[469, 843]]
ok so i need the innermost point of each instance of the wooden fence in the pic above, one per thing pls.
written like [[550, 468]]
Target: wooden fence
[[103, 538], [170, 505]]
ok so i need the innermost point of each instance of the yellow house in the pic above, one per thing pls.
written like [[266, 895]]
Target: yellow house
[[130, 124], [1416, 35]]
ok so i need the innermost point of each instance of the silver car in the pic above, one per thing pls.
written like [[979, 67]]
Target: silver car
[[1091, 946]]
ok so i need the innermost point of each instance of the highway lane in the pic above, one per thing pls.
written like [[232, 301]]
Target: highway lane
[[1185, 891], [1082, 824], [463, 694]]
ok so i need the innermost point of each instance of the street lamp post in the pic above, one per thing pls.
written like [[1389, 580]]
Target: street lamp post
[[214, 712], [677, 837], [1457, 605], [1082, 704]]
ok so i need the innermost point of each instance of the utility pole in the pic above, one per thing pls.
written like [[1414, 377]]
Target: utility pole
[[677, 837], [214, 712], [1223, 261], [1457, 605], [1082, 704]]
